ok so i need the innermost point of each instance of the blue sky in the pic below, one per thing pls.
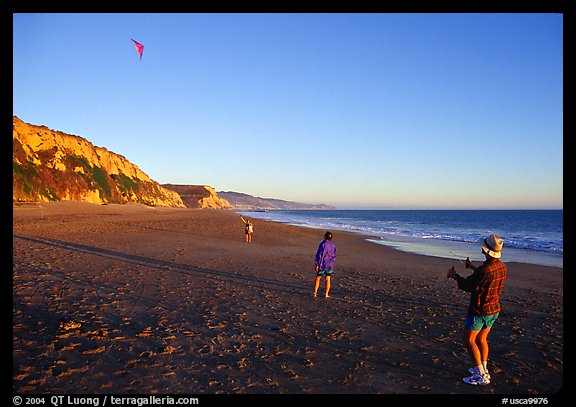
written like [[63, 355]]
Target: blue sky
[[354, 110]]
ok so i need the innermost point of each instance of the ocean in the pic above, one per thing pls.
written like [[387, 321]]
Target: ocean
[[530, 236]]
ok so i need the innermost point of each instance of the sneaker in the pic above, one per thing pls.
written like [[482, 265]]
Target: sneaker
[[477, 379], [474, 371]]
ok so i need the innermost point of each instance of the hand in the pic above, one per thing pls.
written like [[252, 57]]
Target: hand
[[317, 269], [451, 272]]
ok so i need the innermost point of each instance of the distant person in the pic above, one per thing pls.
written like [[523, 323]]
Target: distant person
[[248, 229], [324, 262], [485, 285]]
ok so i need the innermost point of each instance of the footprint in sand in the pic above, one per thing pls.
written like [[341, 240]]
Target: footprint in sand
[[169, 350], [338, 334], [94, 351], [206, 349], [291, 374], [145, 333]]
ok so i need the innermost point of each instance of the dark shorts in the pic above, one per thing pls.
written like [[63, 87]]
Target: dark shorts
[[476, 323], [326, 272]]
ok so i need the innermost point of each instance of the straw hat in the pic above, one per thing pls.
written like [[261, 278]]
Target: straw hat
[[492, 245]]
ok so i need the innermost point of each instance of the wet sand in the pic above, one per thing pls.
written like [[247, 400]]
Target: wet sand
[[129, 299]]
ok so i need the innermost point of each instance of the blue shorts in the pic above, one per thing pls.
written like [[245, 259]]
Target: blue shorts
[[322, 272], [479, 322]]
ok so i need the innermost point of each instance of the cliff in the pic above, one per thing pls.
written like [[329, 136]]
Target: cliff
[[51, 165], [199, 196]]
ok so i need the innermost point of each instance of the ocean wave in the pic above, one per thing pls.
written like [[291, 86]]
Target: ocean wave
[[450, 226]]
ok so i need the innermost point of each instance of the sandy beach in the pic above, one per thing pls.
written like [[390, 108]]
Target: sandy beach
[[129, 299]]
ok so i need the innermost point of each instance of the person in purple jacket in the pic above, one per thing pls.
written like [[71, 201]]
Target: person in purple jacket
[[324, 262]]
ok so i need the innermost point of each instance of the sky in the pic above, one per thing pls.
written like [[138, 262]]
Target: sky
[[363, 111]]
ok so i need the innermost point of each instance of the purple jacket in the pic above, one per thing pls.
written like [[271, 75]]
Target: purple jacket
[[326, 255]]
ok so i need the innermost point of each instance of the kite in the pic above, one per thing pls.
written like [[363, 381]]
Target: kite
[[139, 47]]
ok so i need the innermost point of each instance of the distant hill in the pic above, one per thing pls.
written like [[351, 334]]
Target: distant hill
[[242, 201]]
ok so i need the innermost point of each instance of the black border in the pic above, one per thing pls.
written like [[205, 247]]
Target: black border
[[565, 7]]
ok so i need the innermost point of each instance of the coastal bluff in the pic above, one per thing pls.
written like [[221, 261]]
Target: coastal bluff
[[51, 165], [199, 196]]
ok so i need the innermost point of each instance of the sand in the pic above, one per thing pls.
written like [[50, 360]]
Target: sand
[[128, 299]]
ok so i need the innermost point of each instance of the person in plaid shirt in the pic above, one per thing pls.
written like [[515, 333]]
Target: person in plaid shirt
[[485, 285]]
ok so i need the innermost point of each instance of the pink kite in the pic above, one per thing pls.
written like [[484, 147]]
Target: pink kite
[[139, 47]]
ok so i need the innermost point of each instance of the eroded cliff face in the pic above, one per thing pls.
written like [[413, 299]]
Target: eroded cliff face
[[199, 196], [51, 165]]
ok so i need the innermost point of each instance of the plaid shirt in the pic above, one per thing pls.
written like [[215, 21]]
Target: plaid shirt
[[486, 285]]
